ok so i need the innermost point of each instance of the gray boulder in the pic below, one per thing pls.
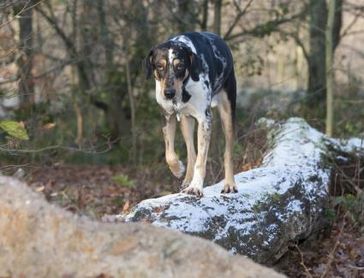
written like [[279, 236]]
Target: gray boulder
[[41, 240], [280, 202]]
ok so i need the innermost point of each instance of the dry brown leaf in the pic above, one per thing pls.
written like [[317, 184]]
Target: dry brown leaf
[[48, 126], [126, 206]]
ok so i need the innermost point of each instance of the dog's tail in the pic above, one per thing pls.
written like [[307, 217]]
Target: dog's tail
[[230, 88]]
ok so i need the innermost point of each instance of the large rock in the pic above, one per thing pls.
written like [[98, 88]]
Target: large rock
[[40, 240], [280, 202]]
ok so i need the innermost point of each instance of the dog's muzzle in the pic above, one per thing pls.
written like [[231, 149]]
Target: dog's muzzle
[[169, 93]]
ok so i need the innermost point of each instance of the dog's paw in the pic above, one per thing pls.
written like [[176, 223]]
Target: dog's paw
[[177, 169], [193, 191], [229, 188]]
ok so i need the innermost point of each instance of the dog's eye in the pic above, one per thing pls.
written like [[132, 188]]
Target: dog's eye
[[180, 67], [159, 67]]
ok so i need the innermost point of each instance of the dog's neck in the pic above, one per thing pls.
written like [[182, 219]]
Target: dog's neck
[[177, 106]]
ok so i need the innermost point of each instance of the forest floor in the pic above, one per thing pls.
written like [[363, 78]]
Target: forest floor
[[337, 252], [96, 191]]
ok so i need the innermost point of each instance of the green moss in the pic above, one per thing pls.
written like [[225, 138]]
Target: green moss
[[123, 180]]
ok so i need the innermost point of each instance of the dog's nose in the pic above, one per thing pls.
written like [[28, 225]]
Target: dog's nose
[[169, 93]]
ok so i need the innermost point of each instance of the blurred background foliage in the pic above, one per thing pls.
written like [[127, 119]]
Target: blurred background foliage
[[72, 74]]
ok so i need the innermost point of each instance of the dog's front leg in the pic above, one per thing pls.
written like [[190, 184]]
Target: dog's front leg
[[203, 141], [187, 128], [169, 131]]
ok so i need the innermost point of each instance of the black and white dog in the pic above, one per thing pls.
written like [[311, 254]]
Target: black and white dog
[[193, 72]]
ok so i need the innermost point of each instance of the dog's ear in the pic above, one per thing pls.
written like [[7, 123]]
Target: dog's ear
[[148, 64], [196, 66]]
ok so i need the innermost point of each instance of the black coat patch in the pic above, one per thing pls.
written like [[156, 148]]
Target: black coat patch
[[207, 83], [185, 95], [213, 57]]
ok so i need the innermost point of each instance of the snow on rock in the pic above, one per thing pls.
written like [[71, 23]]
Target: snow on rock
[[280, 202], [352, 145]]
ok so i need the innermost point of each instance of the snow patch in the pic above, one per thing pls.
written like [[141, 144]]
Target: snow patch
[[352, 144]]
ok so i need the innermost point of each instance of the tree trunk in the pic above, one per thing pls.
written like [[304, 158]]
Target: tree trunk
[[87, 42], [186, 20], [217, 16], [316, 89], [338, 14], [316, 65], [132, 112], [106, 39], [329, 66], [115, 115], [25, 59], [205, 15]]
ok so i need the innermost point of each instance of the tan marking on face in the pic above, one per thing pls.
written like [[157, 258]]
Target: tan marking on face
[[178, 85], [176, 62], [168, 69], [160, 65], [186, 74], [163, 86]]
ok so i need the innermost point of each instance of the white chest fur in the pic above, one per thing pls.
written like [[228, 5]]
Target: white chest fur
[[196, 106]]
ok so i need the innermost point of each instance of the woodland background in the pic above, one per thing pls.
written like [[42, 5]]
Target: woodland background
[[72, 70], [78, 118]]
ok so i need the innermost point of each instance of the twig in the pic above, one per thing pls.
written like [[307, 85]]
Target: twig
[[356, 267], [259, 29], [24, 9], [302, 263], [237, 18], [351, 24], [350, 180], [60, 147], [331, 255]]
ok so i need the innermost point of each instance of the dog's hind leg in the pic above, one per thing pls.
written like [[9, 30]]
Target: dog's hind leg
[[169, 131], [226, 114], [187, 128]]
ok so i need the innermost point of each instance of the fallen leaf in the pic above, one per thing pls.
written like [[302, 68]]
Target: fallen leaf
[[126, 206], [48, 126], [40, 188]]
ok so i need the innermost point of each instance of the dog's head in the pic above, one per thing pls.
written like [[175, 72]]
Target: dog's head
[[172, 64]]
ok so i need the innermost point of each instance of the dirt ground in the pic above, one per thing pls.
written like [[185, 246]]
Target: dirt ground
[[337, 252], [98, 190]]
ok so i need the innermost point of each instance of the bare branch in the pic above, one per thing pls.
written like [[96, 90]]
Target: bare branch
[[237, 18], [25, 8], [267, 27], [298, 41], [345, 32], [51, 19]]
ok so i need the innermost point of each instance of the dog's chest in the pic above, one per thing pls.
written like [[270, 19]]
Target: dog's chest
[[198, 102]]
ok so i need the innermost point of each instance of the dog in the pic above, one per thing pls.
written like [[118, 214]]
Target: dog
[[194, 72]]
